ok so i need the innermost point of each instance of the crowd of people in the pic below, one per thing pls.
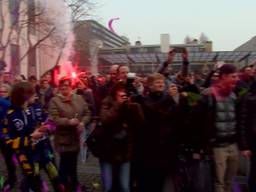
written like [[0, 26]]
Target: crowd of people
[[160, 132]]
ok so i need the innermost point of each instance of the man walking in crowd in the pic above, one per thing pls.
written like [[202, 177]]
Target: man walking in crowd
[[218, 119], [45, 92], [106, 88]]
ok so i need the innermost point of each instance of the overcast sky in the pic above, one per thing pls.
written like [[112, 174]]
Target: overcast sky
[[228, 23]]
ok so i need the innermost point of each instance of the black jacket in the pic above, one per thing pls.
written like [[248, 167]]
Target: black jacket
[[120, 123], [159, 138], [247, 121], [243, 86], [204, 118]]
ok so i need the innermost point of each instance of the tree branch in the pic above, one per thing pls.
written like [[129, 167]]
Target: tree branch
[[31, 48]]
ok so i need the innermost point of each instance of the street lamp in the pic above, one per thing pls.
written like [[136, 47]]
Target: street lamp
[[95, 45]]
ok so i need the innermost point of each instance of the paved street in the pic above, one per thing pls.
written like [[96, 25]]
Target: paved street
[[88, 174]]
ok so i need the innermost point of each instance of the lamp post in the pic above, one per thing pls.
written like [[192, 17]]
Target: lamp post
[[95, 45]]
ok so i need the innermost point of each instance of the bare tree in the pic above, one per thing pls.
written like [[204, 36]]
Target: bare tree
[[30, 25], [80, 10], [23, 23], [8, 29]]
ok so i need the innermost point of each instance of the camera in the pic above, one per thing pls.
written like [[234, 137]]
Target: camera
[[130, 79], [131, 75]]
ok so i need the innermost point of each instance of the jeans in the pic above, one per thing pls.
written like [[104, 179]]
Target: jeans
[[122, 176]]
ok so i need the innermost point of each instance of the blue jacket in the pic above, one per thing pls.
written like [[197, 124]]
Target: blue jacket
[[20, 125], [4, 105], [37, 113], [42, 150], [39, 118]]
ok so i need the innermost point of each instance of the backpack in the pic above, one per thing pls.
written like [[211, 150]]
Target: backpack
[[96, 140]]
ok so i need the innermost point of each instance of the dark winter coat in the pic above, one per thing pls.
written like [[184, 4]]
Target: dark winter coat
[[247, 121], [119, 126], [159, 138], [61, 110], [204, 119]]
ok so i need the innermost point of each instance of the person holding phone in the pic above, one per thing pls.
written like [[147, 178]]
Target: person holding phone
[[120, 120], [159, 140]]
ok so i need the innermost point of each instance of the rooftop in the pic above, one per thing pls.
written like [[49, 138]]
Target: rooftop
[[201, 57]]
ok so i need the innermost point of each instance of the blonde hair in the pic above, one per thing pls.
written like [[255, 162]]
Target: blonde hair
[[153, 77], [7, 87]]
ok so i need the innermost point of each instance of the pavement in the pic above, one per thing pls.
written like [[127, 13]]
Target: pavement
[[88, 174]]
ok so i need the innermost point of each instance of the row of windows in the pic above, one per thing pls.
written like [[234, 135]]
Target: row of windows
[[108, 42], [104, 30], [107, 35], [155, 49]]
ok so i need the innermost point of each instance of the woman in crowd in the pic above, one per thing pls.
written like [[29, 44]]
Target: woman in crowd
[[71, 114], [21, 132], [167, 114], [120, 120], [158, 143]]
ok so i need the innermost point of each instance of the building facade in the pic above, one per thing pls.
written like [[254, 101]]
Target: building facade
[[249, 46], [147, 58], [91, 36], [25, 42]]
